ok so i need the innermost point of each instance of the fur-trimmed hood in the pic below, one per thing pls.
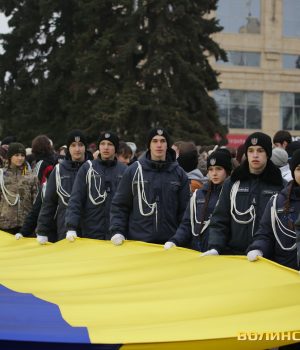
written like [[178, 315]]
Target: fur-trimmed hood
[[270, 175]]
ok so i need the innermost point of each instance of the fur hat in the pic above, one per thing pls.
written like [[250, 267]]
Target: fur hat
[[15, 148], [259, 139], [295, 161], [110, 136], [220, 158], [76, 136], [279, 157], [160, 132]]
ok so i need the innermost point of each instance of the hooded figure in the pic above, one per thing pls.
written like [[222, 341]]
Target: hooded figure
[[243, 199], [152, 195]]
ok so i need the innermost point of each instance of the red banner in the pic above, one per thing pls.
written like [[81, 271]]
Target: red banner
[[235, 140]]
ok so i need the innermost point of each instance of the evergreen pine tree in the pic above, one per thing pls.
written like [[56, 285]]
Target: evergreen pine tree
[[124, 65]]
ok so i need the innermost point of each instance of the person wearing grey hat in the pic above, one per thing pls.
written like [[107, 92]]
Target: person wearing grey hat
[[194, 227], [280, 159], [18, 189], [243, 199], [95, 185], [152, 196], [276, 238]]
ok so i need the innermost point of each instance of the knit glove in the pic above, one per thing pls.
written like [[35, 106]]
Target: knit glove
[[254, 254], [18, 236], [71, 236], [169, 245], [117, 239], [210, 252], [42, 239]]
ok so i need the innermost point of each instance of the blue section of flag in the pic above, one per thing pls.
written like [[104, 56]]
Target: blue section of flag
[[18, 345], [24, 317]]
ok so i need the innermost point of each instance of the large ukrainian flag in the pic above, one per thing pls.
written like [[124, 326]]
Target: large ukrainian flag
[[93, 295]]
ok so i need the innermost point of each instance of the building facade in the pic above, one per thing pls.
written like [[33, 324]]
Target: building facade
[[260, 83]]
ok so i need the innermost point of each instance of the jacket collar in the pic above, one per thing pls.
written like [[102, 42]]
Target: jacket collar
[[270, 175]]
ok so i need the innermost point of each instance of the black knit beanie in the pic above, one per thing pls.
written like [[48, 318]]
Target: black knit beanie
[[110, 136], [292, 147], [188, 160], [15, 148], [295, 161], [76, 136], [259, 139], [160, 132], [220, 158]]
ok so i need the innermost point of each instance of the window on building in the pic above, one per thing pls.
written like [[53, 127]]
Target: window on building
[[241, 58], [239, 109], [291, 61], [290, 110], [239, 16], [291, 18]]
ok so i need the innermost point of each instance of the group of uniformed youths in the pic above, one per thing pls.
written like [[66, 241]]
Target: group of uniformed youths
[[249, 211]]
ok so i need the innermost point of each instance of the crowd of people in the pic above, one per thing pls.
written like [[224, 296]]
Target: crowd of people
[[214, 200]]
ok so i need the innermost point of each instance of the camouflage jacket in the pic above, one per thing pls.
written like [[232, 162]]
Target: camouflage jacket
[[16, 183]]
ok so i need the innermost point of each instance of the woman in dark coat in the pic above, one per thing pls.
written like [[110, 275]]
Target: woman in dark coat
[[194, 228]]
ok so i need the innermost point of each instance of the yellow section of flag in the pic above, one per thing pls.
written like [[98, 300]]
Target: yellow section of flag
[[144, 297]]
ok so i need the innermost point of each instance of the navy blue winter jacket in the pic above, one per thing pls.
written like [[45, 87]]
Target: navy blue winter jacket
[[226, 234], [184, 236], [166, 188], [54, 206], [265, 239], [93, 219]]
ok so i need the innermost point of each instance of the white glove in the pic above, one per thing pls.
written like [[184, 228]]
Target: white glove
[[18, 236], [254, 254], [42, 239], [71, 236], [117, 239], [169, 245], [210, 252]]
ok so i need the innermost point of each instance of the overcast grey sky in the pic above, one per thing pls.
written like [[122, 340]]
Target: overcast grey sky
[[3, 24]]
